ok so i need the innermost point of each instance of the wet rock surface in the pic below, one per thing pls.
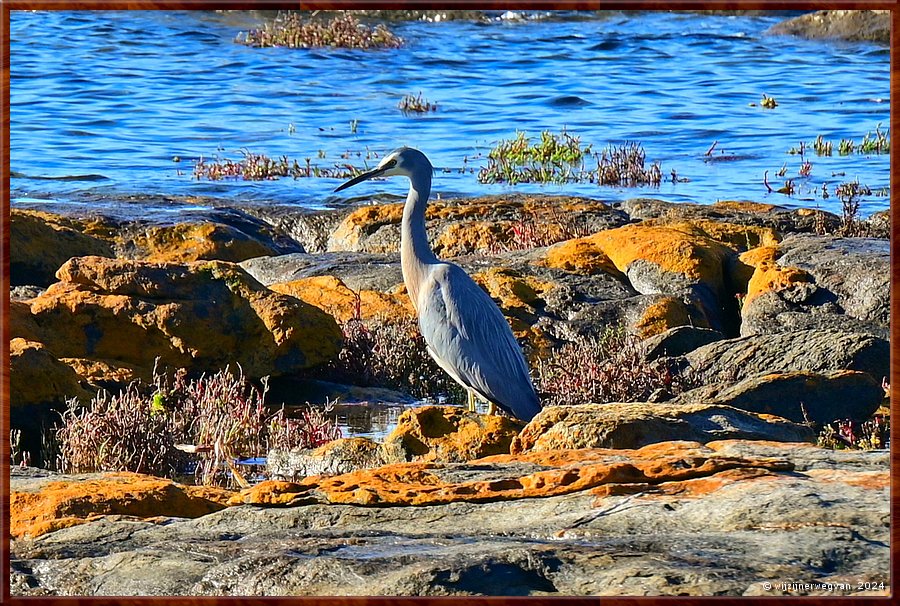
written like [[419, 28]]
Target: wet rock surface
[[601, 522]]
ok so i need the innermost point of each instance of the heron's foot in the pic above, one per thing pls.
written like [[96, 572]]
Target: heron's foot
[[492, 408], [471, 402]]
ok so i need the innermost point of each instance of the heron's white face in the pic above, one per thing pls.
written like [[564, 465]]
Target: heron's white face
[[404, 162], [392, 165]]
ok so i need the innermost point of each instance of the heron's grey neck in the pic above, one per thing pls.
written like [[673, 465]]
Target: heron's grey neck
[[415, 252]]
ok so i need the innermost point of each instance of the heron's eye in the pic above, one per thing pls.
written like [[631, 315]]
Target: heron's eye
[[391, 164]]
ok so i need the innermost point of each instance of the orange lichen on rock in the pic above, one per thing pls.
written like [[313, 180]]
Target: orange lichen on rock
[[43, 241], [332, 296], [361, 222], [99, 370], [468, 237], [691, 488], [202, 315], [59, 504], [199, 241], [745, 206], [791, 282], [694, 256], [559, 472], [662, 315], [37, 376], [874, 480], [514, 292], [742, 268], [448, 434], [581, 256], [733, 235]]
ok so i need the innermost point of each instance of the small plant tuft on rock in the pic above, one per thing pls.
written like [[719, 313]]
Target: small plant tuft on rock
[[344, 30], [873, 434], [176, 424], [849, 194], [607, 368], [381, 352]]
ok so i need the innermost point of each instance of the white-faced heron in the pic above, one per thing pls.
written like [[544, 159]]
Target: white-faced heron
[[463, 328]]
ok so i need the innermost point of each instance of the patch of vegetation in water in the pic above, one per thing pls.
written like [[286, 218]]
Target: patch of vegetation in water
[[873, 142], [563, 159], [260, 167], [292, 30], [416, 104]]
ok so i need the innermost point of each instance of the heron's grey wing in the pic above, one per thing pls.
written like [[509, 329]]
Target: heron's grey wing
[[471, 340]]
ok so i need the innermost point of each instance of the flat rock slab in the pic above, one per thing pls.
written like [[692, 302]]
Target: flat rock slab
[[729, 530]]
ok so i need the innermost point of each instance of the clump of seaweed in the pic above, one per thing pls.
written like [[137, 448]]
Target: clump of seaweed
[[253, 167], [561, 159], [555, 158], [259, 167], [873, 434], [625, 165], [416, 104], [874, 142], [390, 352], [177, 425], [610, 367], [877, 142], [291, 30]]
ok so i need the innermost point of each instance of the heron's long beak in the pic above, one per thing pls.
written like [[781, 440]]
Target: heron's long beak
[[361, 178]]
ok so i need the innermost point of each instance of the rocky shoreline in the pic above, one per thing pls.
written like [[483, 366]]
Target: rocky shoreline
[[783, 324], [675, 518]]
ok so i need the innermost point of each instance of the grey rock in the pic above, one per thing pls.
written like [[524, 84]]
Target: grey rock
[[851, 289], [679, 341], [637, 424], [337, 457], [857, 271], [24, 292], [779, 218], [733, 360], [798, 396], [879, 224], [309, 229], [358, 271]]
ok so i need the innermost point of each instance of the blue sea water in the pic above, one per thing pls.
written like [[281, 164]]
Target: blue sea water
[[102, 102]]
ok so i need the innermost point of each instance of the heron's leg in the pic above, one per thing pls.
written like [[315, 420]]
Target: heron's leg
[[471, 400], [492, 408]]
